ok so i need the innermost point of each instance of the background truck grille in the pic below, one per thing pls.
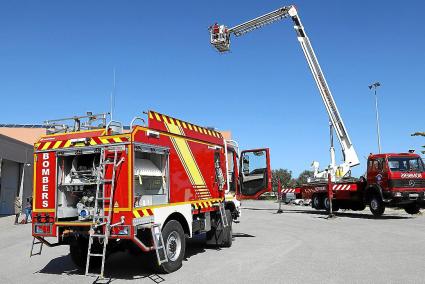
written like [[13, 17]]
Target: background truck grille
[[412, 183]]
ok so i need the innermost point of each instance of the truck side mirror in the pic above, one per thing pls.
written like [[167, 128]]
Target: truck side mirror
[[245, 165]]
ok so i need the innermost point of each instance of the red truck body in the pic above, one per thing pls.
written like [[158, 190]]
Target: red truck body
[[170, 170], [392, 180]]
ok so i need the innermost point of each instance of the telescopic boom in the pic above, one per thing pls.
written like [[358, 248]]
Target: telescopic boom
[[220, 39]]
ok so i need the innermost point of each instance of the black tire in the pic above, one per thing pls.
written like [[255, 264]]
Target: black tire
[[376, 205], [412, 209], [78, 251], [219, 236], [175, 246], [228, 232], [316, 202], [326, 204]]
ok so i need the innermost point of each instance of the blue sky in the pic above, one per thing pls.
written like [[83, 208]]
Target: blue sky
[[57, 58]]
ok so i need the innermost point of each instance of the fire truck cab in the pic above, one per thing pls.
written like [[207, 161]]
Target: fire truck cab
[[395, 180], [146, 189]]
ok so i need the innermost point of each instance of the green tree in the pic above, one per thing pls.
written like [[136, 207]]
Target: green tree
[[302, 178], [420, 134], [285, 177]]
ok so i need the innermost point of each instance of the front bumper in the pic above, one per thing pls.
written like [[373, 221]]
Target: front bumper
[[399, 198]]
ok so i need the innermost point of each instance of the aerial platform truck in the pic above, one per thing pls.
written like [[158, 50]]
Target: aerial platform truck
[[100, 188], [391, 179]]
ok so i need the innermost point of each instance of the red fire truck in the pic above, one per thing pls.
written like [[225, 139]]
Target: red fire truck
[[100, 188], [391, 180]]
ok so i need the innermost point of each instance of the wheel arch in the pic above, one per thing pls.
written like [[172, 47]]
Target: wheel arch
[[372, 190], [177, 216]]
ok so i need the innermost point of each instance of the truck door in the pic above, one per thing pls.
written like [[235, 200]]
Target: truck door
[[376, 172], [255, 174]]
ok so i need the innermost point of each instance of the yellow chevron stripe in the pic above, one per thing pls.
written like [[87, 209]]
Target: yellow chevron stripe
[[157, 116], [145, 212], [46, 145], [56, 144], [103, 140], [183, 147], [178, 123], [171, 120], [184, 124], [136, 214], [92, 142], [195, 206], [67, 144], [117, 139], [150, 115]]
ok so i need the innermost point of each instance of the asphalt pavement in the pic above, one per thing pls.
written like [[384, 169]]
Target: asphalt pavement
[[298, 246]]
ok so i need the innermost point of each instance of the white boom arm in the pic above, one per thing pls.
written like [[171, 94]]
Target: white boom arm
[[220, 39]]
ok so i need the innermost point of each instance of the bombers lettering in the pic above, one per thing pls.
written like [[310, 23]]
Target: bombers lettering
[[45, 173], [411, 175]]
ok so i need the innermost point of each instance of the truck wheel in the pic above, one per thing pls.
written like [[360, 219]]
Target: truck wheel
[[219, 236], [228, 232], [316, 202], [376, 205], [326, 204], [78, 251], [175, 246], [412, 209]]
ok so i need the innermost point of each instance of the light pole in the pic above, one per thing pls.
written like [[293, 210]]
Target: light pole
[[375, 86]]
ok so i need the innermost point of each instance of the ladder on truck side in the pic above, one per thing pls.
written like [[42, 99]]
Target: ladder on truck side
[[158, 241], [36, 242], [224, 221], [101, 226]]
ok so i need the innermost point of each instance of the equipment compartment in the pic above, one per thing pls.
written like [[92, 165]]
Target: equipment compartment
[[77, 179], [150, 177]]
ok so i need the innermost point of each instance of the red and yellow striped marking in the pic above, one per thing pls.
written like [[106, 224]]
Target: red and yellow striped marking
[[52, 145], [183, 124], [142, 212], [202, 204]]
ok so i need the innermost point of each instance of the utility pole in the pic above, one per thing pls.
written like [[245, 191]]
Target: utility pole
[[375, 86]]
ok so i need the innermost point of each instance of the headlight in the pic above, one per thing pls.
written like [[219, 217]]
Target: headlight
[[397, 194]]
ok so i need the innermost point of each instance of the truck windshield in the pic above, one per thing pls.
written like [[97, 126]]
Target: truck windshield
[[405, 164]]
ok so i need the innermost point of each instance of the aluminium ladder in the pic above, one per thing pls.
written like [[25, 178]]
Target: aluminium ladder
[[223, 216], [159, 245], [100, 229]]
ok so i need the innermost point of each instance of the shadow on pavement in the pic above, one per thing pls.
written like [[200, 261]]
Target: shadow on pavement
[[345, 214], [259, 209], [242, 235], [119, 266], [125, 266]]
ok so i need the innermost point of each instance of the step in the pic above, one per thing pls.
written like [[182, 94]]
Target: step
[[96, 254], [98, 236], [94, 275]]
